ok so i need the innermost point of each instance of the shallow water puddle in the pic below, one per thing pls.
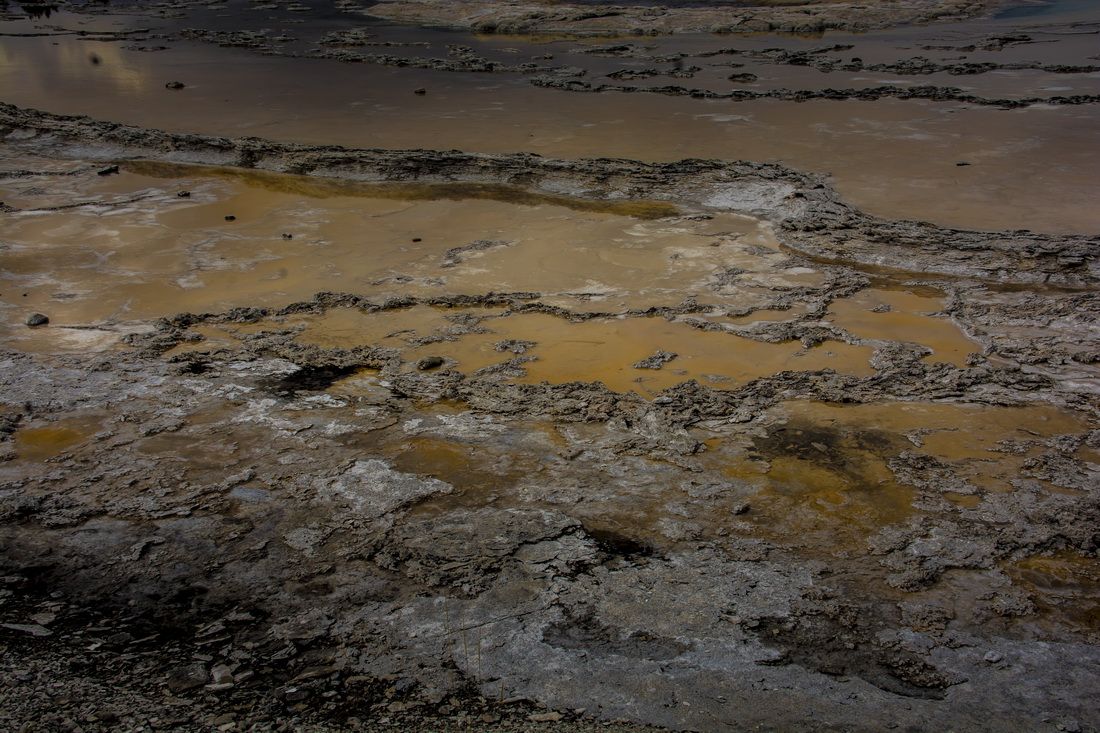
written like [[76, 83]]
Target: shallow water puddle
[[227, 244], [903, 315], [605, 351], [41, 441], [558, 350]]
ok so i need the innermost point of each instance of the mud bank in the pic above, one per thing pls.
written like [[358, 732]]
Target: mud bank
[[218, 521], [807, 215], [606, 18]]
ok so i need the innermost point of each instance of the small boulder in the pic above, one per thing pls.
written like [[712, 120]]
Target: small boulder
[[186, 678], [429, 362], [37, 319], [174, 85]]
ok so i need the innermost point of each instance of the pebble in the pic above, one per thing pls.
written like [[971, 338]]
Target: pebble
[[37, 319], [174, 85]]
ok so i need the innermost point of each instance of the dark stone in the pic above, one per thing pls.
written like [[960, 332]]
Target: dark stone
[[186, 678], [231, 218], [174, 85], [429, 362], [37, 319], [108, 170], [184, 194], [962, 163], [420, 91]]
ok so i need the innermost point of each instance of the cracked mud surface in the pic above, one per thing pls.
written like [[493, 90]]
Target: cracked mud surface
[[328, 438]]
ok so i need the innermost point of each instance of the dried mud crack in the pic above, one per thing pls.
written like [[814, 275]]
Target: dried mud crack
[[221, 521]]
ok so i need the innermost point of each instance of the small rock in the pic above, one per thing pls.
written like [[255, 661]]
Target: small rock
[[992, 657], [656, 361], [37, 319], [429, 362], [184, 194], [221, 674], [230, 217], [962, 163], [109, 170], [186, 678], [288, 235], [122, 638], [550, 717], [421, 90], [174, 85]]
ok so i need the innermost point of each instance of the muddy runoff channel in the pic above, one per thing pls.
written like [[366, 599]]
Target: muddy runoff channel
[[352, 438]]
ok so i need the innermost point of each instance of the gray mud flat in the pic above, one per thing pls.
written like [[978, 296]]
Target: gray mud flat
[[279, 535]]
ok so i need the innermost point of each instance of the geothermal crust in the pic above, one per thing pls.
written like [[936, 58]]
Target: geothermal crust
[[231, 539]]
